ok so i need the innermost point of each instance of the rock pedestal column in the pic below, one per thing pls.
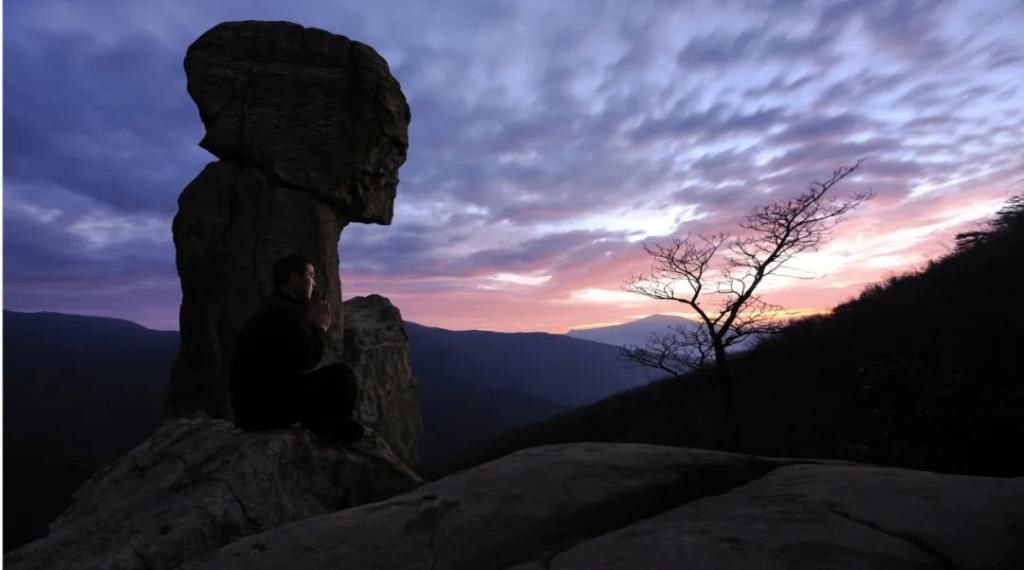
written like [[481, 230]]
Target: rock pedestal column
[[310, 129]]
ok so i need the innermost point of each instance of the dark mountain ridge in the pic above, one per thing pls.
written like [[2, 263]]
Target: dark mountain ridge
[[80, 391]]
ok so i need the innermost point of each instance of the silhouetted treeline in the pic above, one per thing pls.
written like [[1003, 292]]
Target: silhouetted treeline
[[923, 370]]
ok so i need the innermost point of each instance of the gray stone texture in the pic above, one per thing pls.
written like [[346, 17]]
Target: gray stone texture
[[278, 500], [827, 516], [232, 224], [377, 348], [313, 110], [629, 506], [525, 505], [198, 484]]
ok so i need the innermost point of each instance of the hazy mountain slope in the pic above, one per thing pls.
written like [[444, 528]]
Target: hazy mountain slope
[[550, 367], [67, 376], [632, 333], [457, 415], [79, 391]]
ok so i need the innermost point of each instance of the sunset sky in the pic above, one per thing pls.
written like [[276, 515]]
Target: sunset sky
[[548, 140]]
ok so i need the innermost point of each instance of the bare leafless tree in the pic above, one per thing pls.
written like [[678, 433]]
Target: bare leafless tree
[[674, 350], [717, 276]]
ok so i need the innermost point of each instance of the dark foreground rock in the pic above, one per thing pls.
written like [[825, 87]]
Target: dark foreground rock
[[278, 501], [594, 506], [825, 516], [377, 348], [198, 484]]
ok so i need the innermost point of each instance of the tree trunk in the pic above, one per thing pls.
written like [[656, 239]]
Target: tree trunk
[[728, 398]]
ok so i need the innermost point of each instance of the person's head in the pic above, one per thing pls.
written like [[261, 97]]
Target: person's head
[[295, 275]]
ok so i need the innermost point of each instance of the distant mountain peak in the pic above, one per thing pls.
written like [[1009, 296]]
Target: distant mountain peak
[[632, 332], [663, 318]]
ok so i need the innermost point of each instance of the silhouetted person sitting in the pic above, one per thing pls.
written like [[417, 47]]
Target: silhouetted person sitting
[[271, 382]]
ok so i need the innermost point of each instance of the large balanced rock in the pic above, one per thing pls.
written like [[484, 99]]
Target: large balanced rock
[[311, 129], [198, 484], [623, 506], [315, 111], [377, 348]]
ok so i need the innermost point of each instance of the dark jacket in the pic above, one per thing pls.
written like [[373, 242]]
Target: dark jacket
[[273, 349]]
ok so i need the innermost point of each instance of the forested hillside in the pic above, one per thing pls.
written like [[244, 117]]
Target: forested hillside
[[923, 370]]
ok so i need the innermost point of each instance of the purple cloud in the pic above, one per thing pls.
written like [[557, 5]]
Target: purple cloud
[[546, 138]]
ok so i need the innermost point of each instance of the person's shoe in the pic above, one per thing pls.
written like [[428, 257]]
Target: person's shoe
[[341, 430], [350, 430]]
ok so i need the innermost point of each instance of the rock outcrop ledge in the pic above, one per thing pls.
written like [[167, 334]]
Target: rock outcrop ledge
[[579, 506], [628, 507], [377, 349], [198, 484]]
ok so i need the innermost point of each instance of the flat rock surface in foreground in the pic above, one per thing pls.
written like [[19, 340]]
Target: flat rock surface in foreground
[[625, 506], [536, 501], [198, 484], [826, 516]]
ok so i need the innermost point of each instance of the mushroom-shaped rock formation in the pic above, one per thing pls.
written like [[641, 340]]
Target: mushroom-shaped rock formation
[[314, 111], [310, 128]]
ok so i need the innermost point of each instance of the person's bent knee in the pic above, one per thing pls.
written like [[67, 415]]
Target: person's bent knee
[[343, 374]]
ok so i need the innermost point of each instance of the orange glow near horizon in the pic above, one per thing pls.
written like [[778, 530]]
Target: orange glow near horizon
[[538, 155], [868, 248]]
